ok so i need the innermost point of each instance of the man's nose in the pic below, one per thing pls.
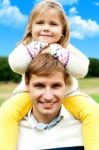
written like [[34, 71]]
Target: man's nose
[[48, 94]]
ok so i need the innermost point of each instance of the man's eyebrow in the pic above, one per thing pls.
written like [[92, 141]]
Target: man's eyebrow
[[35, 83]]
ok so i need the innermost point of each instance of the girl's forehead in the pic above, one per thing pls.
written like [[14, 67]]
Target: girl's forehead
[[48, 11]]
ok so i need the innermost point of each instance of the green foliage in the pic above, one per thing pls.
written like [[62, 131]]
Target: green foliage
[[6, 74], [93, 68]]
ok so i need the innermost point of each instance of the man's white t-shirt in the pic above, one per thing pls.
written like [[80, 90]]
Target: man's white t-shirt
[[66, 134]]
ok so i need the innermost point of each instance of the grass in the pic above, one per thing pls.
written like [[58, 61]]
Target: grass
[[95, 97], [7, 87], [1, 101], [91, 87], [89, 83]]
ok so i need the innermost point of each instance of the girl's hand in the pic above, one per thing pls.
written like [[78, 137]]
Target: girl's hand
[[35, 47], [60, 53]]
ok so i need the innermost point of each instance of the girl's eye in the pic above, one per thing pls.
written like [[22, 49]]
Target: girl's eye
[[54, 24], [39, 22]]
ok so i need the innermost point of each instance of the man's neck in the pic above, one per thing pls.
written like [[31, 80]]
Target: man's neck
[[46, 119]]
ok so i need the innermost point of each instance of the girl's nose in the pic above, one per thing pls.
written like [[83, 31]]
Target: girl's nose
[[46, 27]]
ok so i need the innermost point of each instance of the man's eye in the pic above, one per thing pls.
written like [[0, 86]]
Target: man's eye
[[38, 86], [56, 86]]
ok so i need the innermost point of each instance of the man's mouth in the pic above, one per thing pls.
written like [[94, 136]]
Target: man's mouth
[[47, 105]]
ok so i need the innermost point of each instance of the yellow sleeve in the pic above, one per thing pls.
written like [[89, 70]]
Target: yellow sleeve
[[11, 112], [86, 110]]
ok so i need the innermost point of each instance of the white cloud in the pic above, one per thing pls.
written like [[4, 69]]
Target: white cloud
[[68, 2], [11, 15], [81, 28], [96, 3], [73, 11]]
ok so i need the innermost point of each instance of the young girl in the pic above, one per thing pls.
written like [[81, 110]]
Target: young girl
[[49, 25]]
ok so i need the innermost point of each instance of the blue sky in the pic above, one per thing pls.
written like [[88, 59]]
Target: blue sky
[[83, 16]]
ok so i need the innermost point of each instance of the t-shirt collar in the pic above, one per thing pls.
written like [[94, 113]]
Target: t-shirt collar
[[63, 114]]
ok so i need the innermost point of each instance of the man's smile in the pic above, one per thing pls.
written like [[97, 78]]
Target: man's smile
[[47, 105]]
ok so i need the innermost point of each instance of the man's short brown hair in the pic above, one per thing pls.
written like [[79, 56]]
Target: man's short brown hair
[[44, 65]]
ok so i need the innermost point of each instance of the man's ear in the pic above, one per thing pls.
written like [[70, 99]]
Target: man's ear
[[27, 85]]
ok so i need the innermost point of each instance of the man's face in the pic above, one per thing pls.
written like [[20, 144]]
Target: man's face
[[47, 94]]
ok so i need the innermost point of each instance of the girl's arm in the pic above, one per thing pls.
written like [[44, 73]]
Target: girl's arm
[[19, 59], [78, 63], [22, 55], [75, 62]]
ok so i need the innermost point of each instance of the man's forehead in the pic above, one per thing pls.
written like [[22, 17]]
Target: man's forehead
[[57, 76]]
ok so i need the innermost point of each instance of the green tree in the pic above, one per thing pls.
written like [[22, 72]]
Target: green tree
[[93, 68], [6, 74]]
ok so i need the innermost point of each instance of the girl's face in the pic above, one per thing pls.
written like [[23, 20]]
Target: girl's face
[[47, 27]]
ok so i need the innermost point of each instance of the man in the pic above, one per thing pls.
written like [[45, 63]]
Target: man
[[48, 125]]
